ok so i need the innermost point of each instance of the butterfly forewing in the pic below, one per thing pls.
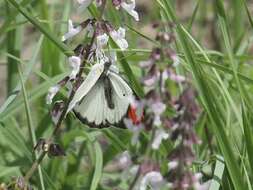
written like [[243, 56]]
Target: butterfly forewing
[[91, 79]]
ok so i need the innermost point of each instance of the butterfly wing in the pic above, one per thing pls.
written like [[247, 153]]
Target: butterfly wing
[[121, 96], [87, 84], [93, 109]]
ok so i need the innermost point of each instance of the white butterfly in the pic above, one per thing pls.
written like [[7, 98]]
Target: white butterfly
[[103, 98]]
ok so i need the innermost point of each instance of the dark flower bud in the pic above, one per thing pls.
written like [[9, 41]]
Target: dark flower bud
[[57, 110], [116, 3], [156, 54], [55, 150]]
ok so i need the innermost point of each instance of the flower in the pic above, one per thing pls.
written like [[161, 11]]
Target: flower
[[153, 179], [125, 160], [177, 78], [158, 108], [75, 63], [102, 40], [173, 164], [146, 64], [51, 93], [160, 134], [71, 31], [135, 129], [175, 60], [150, 80], [119, 38], [129, 7]]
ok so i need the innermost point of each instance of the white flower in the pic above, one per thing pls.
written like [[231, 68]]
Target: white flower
[[158, 108], [71, 31], [153, 179], [129, 7], [172, 165], [75, 63], [119, 38], [102, 40], [175, 60], [146, 64], [51, 93], [159, 136], [135, 129], [125, 160]]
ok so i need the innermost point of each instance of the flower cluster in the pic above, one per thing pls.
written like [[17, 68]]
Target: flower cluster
[[182, 133], [157, 98], [152, 114], [128, 7]]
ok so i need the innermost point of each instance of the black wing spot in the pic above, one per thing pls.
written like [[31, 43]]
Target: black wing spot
[[124, 94]]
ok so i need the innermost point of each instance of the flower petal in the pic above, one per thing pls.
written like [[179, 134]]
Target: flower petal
[[75, 63], [71, 31], [51, 93], [154, 179], [159, 136], [130, 9], [102, 40], [119, 38]]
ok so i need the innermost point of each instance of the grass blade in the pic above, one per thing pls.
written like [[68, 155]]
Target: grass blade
[[98, 166], [42, 28], [27, 72], [30, 126]]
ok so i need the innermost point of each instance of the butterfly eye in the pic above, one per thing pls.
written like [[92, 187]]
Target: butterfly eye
[[124, 94]]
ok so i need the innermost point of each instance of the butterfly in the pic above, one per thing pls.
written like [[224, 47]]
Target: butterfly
[[103, 99]]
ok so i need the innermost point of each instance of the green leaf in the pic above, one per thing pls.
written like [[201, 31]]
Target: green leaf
[[218, 173], [33, 95], [30, 125], [27, 72], [98, 166], [210, 102]]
